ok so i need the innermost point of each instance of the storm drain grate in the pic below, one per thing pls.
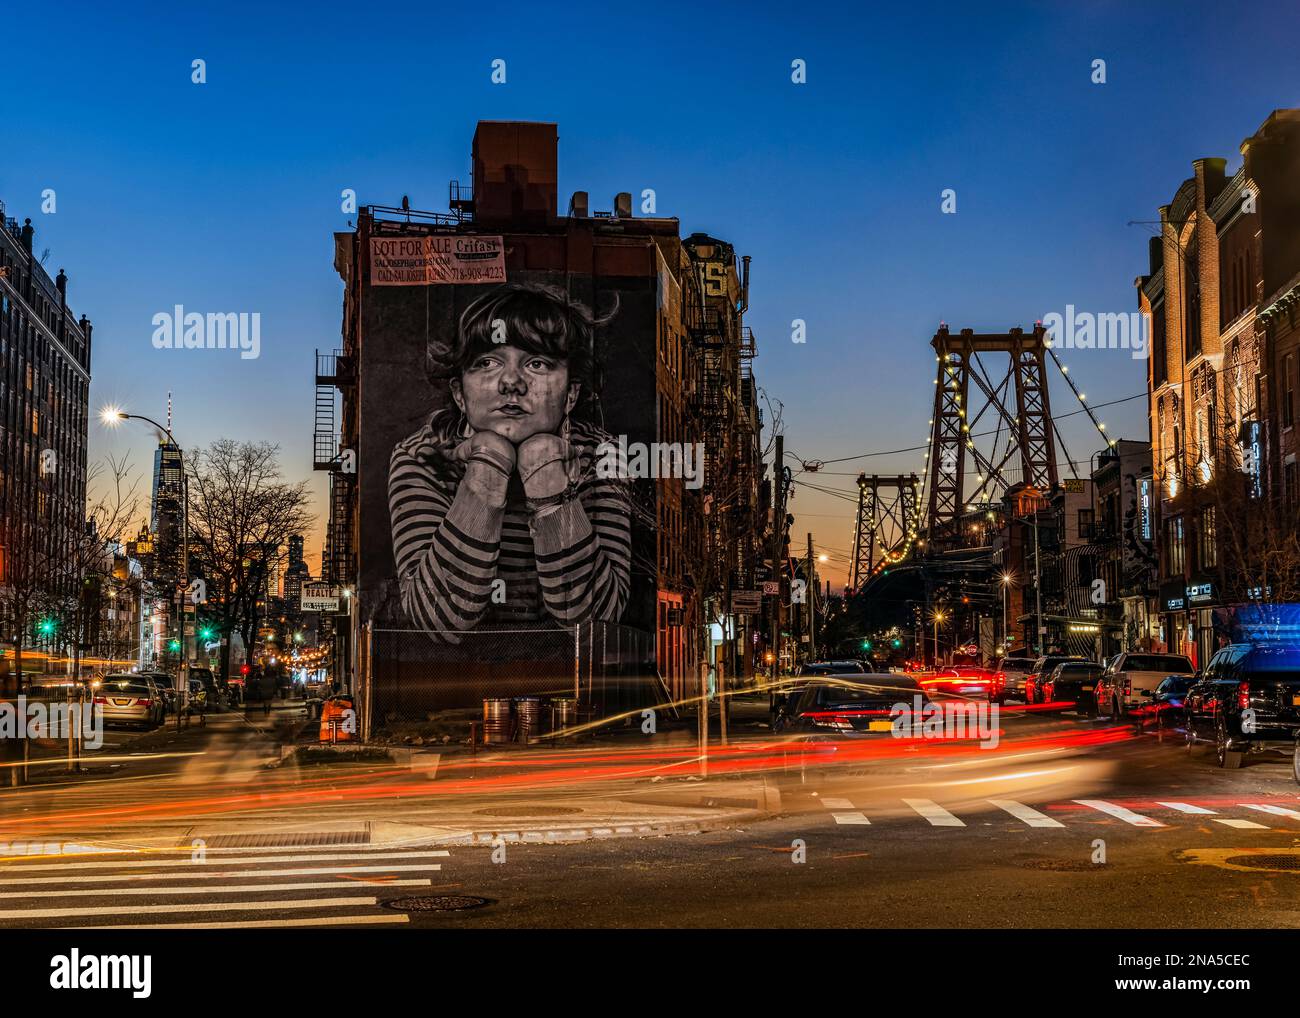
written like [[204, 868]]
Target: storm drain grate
[[436, 903], [1266, 862], [305, 839], [527, 811]]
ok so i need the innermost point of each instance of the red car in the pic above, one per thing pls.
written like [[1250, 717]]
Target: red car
[[968, 681]]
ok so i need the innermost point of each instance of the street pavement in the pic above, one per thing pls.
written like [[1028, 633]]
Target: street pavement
[[1066, 823]]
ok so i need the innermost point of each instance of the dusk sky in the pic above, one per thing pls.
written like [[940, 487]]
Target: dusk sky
[[223, 196]]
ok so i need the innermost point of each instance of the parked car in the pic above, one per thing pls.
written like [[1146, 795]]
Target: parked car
[[854, 705], [1074, 682], [1043, 667], [166, 685], [831, 668], [1248, 700], [131, 699], [1016, 670], [1168, 704], [1130, 680]]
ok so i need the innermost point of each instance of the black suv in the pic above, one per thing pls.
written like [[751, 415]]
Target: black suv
[[1247, 700]]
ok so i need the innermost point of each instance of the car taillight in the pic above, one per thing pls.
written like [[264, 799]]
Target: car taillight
[[101, 699], [1128, 686], [1243, 695], [144, 701]]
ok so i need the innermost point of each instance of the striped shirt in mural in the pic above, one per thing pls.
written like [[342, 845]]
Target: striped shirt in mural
[[570, 565]]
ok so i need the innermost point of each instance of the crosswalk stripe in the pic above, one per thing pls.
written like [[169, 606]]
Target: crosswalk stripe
[[933, 812], [188, 906], [1187, 807], [1244, 824], [1277, 811], [338, 920], [1029, 815], [1119, 813], [851, 817], [315, 885], [837, 804], [190, 862], [304, 871]]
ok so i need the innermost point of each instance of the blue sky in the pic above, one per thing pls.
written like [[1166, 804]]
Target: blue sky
[[223, 196]]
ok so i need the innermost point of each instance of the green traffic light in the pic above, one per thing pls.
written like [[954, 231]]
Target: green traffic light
[[175, 645], [47, 627], [206, 633], [866, 644]]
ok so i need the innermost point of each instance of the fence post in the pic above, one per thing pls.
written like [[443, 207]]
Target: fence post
[[577, 663]]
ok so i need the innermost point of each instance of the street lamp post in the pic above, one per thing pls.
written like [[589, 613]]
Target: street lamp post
[[112, 416], [1006, 596], [938, 617]]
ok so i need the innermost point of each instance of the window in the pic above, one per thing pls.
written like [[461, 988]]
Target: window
[[1085, 523], [1175, 551], [1192, 301], [1288, 390], [1209, 542]]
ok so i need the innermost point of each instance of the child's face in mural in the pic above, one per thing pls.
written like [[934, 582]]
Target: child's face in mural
[[515, 394]]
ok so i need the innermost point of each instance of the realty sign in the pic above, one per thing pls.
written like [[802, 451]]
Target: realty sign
[[319, 597], [437, 258]]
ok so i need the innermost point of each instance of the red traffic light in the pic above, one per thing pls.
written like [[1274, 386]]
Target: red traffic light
[[243, 669]]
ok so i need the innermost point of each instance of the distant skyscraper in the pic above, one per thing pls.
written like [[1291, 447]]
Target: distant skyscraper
[[165, 511], [296, 574]]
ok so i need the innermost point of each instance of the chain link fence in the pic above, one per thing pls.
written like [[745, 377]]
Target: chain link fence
[[414, 673]]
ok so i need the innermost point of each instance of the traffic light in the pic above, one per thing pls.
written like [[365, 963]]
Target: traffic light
[[866, 644], [206, 633], [46, 627], [895, 643], [174, 646]]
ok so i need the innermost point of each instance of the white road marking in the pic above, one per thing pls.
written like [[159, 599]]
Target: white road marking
[[837, 804], [223, 874], [1244, 824], [1119, 812], [851, 817], [1029, 815], [1277, 811], [334, 885], [340, 920], [1187, 807], [933, 812], [187, 906], [183, 860]]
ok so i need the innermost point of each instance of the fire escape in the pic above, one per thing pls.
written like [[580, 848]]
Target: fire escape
[[335, 373]]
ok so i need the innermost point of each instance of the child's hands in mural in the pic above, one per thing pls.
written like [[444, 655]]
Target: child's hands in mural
[[489, 462], [543, 465]]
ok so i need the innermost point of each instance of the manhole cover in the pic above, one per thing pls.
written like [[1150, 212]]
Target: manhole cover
[[527, 811], [1061, 865], [436, 903], [1265, 862]]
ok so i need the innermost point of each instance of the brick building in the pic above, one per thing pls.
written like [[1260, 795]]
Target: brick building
[[671, 365], [1224, 277]]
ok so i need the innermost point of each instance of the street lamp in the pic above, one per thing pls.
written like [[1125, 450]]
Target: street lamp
[[111, 417], [1006, 579], [938, 617]]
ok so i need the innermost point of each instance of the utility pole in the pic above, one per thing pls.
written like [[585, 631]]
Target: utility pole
[[778, 532], [811, 588]]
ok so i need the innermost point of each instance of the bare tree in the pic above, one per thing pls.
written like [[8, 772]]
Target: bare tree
[[241, 515]]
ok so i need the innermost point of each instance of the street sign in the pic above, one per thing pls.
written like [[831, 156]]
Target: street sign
[[771, 588], [746, 602], [320, 597]]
